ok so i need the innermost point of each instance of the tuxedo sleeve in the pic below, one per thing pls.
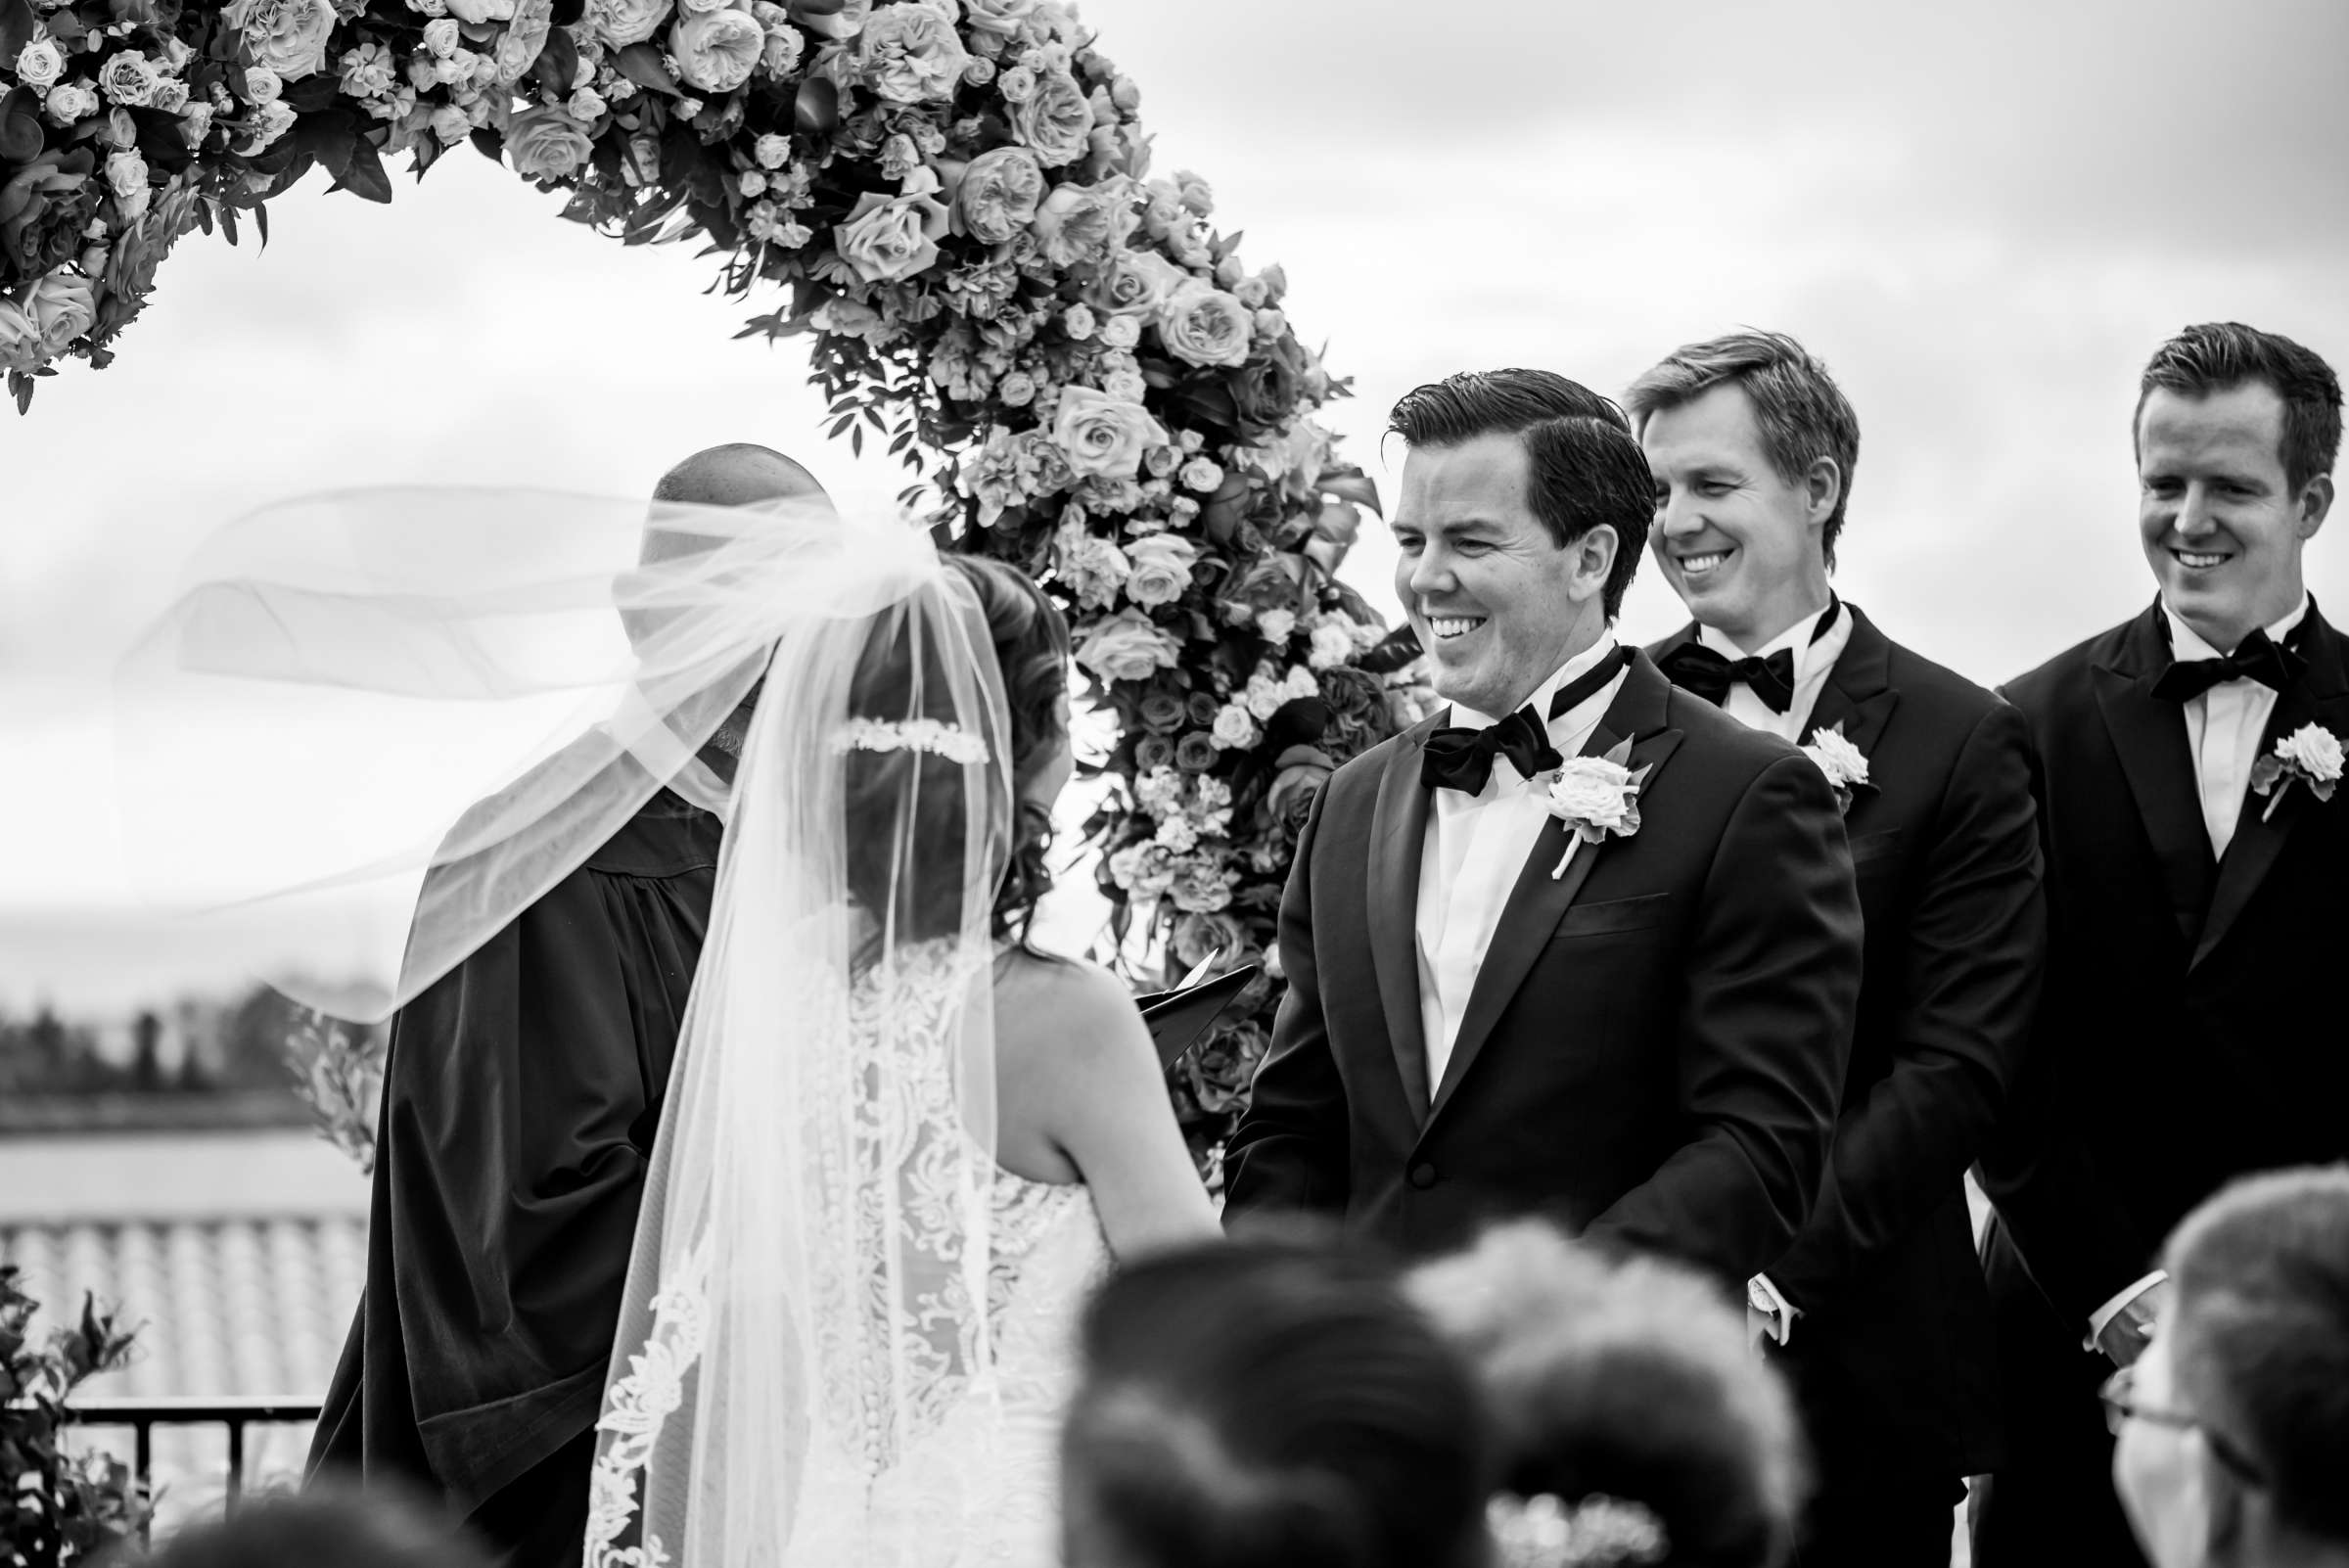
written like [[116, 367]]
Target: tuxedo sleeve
[[1773, 977], [1289, 1151], [1968, 969], [2079, 1236]]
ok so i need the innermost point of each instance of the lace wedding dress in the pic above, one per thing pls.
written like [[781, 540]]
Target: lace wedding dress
[[963, 1475]]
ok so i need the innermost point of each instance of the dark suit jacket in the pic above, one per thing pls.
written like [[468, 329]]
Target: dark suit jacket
[[1893, 1353], [2181, 1039], [1653, 1046]]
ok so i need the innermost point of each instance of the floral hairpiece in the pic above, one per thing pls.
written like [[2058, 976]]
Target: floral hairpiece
[[949, 741], [1598, 1532]]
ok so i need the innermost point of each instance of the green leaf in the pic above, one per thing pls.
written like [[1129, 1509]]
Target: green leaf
[[488, 142], [641, 65], [365, 178], [1353, 484], [21, 126], [17, 26], [558, 62]]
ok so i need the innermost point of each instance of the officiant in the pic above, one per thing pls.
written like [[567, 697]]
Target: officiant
[[522, 1095]]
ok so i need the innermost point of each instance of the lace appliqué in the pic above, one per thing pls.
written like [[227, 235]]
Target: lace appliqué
[[949, 741], [635, 1408]]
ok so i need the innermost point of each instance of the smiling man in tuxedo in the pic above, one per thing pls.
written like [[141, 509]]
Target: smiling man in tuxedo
[[1643, 1039], [1879, 1310], [2197, 911]]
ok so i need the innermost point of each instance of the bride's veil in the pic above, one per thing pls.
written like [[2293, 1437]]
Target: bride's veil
[[438, 704]]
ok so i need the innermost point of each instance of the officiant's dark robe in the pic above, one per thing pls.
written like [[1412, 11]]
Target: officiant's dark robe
[[2187, 1036], [1891, 1356], [521, 1100], [1654, 1043]]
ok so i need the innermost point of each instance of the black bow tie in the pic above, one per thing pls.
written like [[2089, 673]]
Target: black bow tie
[[2258, 657], [1460, 759], [1696, 668]]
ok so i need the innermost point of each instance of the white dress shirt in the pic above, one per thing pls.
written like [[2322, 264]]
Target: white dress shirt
[[2224, 727], [1813, 660], [1476, 848]]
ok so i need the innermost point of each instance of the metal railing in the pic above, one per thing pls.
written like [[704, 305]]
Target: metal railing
[[143, 1416]]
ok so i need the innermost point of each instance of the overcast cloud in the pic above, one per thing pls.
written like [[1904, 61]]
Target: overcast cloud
[[1983, 217]]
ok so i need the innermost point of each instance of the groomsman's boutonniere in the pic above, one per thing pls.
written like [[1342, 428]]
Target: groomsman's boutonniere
[[1846, 768], [1596, 796], [2311, 754]]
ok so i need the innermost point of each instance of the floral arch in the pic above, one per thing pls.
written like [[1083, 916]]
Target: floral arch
[[954, 196]]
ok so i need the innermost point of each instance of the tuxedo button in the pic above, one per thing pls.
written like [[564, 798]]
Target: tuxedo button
[[1424, 1176]]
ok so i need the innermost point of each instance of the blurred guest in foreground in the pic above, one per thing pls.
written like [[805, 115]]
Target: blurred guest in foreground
[[1634, 1424], [331, 1524], [1269, 1403], [2196, 856], [2234, 1426]]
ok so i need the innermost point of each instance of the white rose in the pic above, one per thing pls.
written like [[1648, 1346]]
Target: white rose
[[20, 346], [69, 102], [1837, 757], [1277, 627], [771, 151], [891, 237], [128, 79], [697, 8], [60, 308], [126, 172], [449, 123], [1103, 436], [289, 36], [1121, 331], [1203, 326], [716, 52], [547, 144], [621, 22], [441, 38], [263, 85], [1590, 791], [170, 97], [1236, 728], [910, 54], [586, 104], [1162, 568], [2316, 750], [39, 64], [1126, 646], [195, 124]]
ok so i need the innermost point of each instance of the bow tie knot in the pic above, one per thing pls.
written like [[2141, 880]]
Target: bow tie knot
[[1710, 673], [1459, 758], [2258, 657]]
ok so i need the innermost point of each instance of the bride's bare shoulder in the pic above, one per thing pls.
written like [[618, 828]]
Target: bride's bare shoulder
[[1051, 1000]]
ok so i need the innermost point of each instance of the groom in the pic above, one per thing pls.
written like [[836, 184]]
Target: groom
[[1645, 1045]]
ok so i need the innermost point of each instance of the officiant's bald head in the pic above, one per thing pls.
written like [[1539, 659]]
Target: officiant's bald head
[[736, 474]]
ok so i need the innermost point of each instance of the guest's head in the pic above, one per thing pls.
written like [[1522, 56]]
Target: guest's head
[[1618, 1386], [1524, 506], [2236, 431], [2234, 1426], [1269, 1403], [1753, 446], [322, 1525]]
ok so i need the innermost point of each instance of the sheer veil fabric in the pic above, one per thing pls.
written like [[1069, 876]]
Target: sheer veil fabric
[[809, 1298]]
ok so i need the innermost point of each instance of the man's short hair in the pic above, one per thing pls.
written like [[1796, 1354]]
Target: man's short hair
[[1800, 412], [1583, 466], [2221, 355], [2258, 1331]]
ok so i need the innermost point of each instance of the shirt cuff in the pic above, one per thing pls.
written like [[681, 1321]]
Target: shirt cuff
[[2105, 1314], [1772, 1312]]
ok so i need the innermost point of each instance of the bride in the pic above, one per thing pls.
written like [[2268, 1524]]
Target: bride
[[899, 1144]]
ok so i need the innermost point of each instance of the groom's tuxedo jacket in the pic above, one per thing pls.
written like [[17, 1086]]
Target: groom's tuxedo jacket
[[1891, 1354], [1652, 1048], [2185, 1036]]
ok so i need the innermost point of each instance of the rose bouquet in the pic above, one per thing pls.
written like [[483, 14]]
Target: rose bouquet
[[952, 202]]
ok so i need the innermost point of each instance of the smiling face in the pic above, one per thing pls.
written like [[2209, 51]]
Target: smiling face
[[2222, 528], [1498, 603], [1743, 547]]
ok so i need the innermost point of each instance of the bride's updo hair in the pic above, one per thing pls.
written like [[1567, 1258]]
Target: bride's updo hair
[[1622, 1379], [1268, 1403], [1029, 642]]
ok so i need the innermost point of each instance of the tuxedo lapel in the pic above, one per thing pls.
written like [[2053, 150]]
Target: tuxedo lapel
[[1539, 901], [2318, 697], [1397, 836], [2150, 738], [1858, 694]]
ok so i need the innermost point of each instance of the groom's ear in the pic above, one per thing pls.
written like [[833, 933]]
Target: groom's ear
[[1594, 559]]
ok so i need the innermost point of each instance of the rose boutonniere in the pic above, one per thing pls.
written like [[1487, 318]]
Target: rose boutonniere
[[1597, 798], [1846, 768], [2311, 754]]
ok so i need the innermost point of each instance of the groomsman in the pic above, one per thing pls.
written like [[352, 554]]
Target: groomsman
[[2196, 883], [1878, 1308]]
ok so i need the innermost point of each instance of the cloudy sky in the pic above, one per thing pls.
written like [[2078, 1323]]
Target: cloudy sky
[[1983, 217]]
